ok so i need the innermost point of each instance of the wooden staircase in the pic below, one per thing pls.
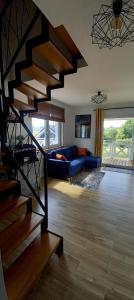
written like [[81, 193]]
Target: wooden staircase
[[49, 56], [18, 280], [42, 247], [35, 80]]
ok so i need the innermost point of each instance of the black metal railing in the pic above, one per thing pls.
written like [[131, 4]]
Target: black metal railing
[[28, 159], [17, 22]]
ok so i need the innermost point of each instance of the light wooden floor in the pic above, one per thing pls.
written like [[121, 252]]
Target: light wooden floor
[[98, 230]]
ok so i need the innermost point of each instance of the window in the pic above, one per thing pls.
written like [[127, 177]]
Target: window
[[47, 133], [39, 131], [54, 133]]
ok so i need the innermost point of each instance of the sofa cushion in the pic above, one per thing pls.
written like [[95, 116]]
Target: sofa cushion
[[61, 157], [67, 153], [53, 153], [73, 152], [70, 152], [76, 161], [82, 152]]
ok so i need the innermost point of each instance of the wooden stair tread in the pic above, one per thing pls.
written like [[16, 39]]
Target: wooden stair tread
[[31, 92], [11, 204], [18, 278], [7, 184], [21, 106], [66, 39], [38, 73], [53, 55], [18, 231]]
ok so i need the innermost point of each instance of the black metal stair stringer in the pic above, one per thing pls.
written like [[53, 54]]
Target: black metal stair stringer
[[48, 34]]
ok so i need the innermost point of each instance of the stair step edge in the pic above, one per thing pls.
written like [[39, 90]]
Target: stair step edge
[[17, 280], [30, 91], [16, 233], [40, 75], [7, 184], [11, 204]]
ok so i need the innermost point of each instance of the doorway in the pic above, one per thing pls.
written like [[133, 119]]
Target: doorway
[[118, 143]]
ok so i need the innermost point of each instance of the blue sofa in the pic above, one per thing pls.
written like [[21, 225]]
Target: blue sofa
[[67, 169]]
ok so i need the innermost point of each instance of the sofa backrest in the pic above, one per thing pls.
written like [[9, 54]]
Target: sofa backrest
[[69, 152]]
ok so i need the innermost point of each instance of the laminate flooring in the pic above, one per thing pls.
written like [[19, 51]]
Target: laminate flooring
[[98, 231]]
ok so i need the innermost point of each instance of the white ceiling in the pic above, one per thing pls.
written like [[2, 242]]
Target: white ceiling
[[111, 71]]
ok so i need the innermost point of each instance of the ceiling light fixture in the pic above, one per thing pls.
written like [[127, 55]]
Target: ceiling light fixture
[[99, 98], [114, 25]]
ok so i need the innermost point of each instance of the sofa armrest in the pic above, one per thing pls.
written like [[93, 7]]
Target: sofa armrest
[[95, 156], [58, 168], [93, 162]]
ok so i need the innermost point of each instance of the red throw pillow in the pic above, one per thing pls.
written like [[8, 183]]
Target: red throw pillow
[[61, 157], [82, 151]]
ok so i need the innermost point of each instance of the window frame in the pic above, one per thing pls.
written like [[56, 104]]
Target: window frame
[[47, 140]]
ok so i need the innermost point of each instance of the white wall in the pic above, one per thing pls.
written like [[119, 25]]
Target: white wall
[[68, 127], [87, 143]]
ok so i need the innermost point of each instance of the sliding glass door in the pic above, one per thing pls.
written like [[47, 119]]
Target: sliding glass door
[[118, 143]]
